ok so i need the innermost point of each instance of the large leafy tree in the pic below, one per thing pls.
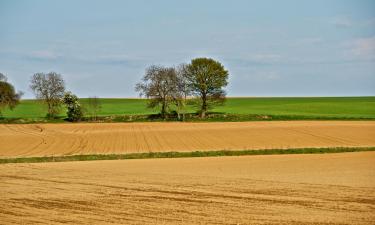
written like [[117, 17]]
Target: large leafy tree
[[50, 89], [206, 79], [8, 96], [160, 85]]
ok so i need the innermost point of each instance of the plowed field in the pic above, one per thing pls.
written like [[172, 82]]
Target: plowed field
[[278, 189], [91, 138]]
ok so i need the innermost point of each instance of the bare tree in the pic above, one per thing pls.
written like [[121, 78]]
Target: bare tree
[[50, 89], [159, 84], [183, 90], [94, 106]]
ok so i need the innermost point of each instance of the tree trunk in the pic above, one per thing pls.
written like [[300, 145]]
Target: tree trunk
[[203, 114], [49, 106], [163, 110], [204, 106]]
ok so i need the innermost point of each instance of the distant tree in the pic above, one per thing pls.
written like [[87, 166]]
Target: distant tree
[[94, 106], [183, 90], [206, 79], [159, 84], [8, 96], [74, 112], [50, 89]]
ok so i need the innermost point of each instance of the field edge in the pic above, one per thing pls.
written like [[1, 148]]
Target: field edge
[[155, 155]]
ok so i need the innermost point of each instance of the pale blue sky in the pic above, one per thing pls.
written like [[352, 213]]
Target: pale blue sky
[[271, 48]]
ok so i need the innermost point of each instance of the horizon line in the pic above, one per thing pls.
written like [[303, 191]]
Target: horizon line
[[317, 96]]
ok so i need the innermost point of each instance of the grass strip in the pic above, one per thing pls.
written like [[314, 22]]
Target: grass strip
[[154, 155], [189, 117]]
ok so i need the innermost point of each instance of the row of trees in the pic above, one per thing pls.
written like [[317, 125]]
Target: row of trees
[[203, 79], [50, 89], [200, 82]]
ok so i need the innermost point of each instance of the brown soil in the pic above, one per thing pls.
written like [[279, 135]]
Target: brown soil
[[91, 138], [278, 189]]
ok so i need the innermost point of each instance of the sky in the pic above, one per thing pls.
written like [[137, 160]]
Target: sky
[[270, 48]]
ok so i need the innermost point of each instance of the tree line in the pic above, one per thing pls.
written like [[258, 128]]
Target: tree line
[[203, 79], [170, 89], [50, 89]]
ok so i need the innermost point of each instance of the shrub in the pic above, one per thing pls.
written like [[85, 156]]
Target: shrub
[[74, 112]]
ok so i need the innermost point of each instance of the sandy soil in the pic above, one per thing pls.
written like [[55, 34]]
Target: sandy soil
[[62, 139], [278, 189]]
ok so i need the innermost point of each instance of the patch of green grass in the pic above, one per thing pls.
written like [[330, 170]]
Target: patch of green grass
[[153, 155], [34, 109], [354, 107], [239, 109]]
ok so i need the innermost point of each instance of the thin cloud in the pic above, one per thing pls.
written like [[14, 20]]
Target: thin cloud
[[292, 61], [44, 55], [266, 57], [346, 22], [259, 59], [342, 22], [102, 59], [309, 41], [112, 59], [364, 48]]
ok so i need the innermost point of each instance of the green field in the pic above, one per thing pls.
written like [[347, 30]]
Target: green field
[[34, 109], [309, 107]]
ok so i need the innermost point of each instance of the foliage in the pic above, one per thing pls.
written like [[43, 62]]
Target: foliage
[[50, 89], [206, 79], [74, 108], [8, 96]]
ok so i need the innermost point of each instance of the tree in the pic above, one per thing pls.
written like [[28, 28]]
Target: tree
[[206, 79], [50, 89], [183, 90], [74, 108], [94, 106], [8, 96], [159, 84]]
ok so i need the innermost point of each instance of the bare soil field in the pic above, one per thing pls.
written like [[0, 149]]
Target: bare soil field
[[91, 138], [277, 189]]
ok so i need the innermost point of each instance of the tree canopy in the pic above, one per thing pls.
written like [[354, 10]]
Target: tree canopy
[[8, 96], [74, 112], [203, 78], [206, 79]]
